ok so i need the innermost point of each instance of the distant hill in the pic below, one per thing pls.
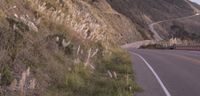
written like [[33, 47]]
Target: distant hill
[[144, 12]]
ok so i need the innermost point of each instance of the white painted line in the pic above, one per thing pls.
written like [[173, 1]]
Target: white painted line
[[155, 74]]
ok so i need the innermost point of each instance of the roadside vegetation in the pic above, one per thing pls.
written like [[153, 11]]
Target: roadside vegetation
[[112, 76], [50, 59]]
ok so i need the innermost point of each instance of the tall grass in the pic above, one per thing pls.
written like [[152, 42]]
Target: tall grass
[[82, 68], [84, 81], [2, 15]]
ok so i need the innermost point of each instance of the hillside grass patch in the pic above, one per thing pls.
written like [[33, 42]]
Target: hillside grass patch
[[85, 81]]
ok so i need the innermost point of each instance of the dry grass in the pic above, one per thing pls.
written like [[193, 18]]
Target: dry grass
[[60, 68], [2, 15]]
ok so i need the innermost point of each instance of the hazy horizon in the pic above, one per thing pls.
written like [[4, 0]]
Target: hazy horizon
[[197, 1]]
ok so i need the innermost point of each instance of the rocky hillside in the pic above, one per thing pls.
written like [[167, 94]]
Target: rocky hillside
[[109, 21], [64, 48], [148, 11], [91, 19], [144, 12]]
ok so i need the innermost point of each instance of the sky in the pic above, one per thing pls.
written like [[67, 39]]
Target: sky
[[197, 1]]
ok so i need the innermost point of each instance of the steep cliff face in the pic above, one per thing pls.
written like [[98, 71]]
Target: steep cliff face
[[144, 12], [184, 26], [155, 10], [110, 21]]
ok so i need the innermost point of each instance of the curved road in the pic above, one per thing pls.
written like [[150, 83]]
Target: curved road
[[157, 37], [167, 72]]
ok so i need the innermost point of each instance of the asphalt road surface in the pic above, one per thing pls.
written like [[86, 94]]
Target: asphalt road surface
[[167, 72]]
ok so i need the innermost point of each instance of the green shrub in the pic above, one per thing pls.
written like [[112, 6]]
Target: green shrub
[[74, 81], [6, 77], [78, 77], [120, 62]]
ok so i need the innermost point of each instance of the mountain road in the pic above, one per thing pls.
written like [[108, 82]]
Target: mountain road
[[167, 72]]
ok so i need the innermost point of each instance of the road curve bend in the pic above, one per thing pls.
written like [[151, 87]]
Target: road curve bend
[[178, 71]]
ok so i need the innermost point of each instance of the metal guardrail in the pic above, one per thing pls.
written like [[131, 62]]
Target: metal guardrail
[[174, 47], [190, 47]]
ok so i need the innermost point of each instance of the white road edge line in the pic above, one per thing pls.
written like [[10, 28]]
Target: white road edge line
[[155, 74]]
